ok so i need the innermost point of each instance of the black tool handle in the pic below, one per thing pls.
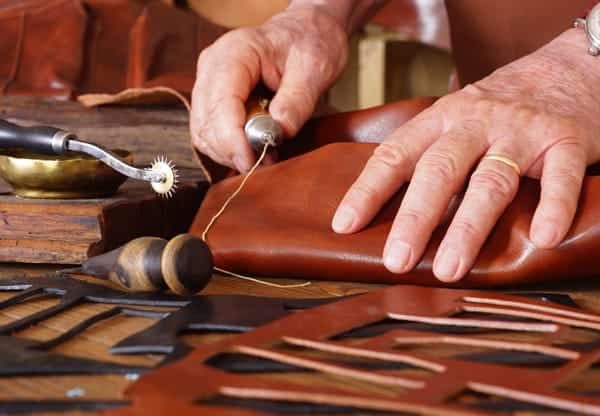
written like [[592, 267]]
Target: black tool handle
[[37, 139]]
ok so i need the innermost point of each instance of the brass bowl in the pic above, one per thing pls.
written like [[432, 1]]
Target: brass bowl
[[60, 177]]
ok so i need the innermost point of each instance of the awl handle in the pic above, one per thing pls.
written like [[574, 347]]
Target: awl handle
[[260, 127], [151, 264], [37, 139]]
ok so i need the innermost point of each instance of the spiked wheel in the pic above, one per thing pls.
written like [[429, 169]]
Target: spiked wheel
[[167, 168]]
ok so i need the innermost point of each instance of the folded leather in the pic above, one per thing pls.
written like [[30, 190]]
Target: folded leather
[[279, 225], [489, 34], [65, 48]]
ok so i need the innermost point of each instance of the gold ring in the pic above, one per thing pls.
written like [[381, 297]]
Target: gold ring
[[506, 160]]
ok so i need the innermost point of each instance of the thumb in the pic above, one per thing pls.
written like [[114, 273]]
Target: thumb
[[301, 86]]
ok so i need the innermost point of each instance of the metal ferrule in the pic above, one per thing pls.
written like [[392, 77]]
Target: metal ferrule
[[60, 140], [261, 129]]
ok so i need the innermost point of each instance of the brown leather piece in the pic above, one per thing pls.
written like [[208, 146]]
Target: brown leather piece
[[364, 126], [489, 34], [26, 67], [136, 96], [320, 340], [64, 48], [424, 22], [279, 225]]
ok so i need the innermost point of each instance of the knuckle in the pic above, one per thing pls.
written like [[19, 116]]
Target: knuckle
[[413, 219], [204, 56], [200, 141], [443, 102], [557, 208], [238, 46], [472, 127], [439, 167], [198, 128], [524, 113], [567, 127], [565, 177], [465, 229], [391, 155], [493, 184], [467, 95], [319, 57], [243, 34], [485, 106], [570, 123], [472, 90], [363, 194], [298, 94]]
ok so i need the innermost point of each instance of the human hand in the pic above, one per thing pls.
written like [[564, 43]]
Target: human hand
[[298, 53], [542, 112]]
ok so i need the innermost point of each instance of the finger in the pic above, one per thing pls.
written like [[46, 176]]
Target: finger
[[387, 169], [228, 133], [224, 81], [438, 176], [562, 177], [301, 85], [492, 187]]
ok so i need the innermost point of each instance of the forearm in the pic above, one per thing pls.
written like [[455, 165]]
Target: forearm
[[572, 45], [351, 14], [574, 74]]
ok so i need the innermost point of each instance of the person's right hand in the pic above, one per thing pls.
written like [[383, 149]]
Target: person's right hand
[[298, 53]]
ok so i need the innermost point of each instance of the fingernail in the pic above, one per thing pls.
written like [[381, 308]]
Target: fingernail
[[343, 220], [446, 265], [241, 164], [543, 236], [397, 256]]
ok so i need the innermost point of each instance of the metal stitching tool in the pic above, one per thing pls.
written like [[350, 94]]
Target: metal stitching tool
[[260, 127], [162, 174]]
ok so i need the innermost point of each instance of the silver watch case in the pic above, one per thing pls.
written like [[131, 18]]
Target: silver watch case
[[591, 25]]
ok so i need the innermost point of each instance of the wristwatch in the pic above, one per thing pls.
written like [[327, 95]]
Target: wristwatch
[[591, 25]]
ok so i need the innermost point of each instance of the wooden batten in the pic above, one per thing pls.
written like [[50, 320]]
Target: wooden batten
[[70, 231]]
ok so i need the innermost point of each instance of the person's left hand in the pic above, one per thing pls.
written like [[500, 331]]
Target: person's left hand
[[542, 112]]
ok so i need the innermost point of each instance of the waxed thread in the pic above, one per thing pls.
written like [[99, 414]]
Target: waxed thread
[[224, 207]]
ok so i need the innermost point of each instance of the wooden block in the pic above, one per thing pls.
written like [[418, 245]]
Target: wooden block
[[70, 231]]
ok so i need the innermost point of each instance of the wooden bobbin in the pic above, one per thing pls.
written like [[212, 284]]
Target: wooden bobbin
[[150, 264]]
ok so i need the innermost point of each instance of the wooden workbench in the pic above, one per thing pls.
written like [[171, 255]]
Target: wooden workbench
[[145, 132]]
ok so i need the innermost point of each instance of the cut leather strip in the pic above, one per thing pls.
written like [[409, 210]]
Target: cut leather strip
[[455, 374], [136, 96]]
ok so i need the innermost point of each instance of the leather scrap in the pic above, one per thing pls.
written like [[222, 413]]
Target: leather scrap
[[100, 47], [22, 357], [309, 340]]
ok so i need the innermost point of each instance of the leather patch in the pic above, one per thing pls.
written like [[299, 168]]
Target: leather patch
[[316, 369]]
